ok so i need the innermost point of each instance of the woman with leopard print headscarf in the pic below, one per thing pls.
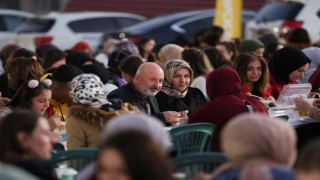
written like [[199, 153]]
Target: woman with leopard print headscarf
[[91, 111]]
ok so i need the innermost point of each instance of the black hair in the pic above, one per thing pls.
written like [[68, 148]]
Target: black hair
[[66, 73]]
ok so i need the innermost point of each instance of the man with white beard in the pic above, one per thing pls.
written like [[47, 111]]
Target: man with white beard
[[140, 93]]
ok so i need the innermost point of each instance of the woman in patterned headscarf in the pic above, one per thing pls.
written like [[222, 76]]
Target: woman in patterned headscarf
[[176, 93], [91, 111]]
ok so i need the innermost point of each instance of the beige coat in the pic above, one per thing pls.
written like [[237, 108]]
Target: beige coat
[[84, 126]]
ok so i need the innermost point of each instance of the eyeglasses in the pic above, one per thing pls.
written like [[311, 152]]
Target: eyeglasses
[[302, 71]]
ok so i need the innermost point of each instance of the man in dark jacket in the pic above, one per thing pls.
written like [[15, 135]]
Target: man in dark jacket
[[140, 93]]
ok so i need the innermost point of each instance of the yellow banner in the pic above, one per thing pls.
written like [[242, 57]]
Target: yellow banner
[[228, 14]]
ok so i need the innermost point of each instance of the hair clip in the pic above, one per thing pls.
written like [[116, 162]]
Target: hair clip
[[33, 83], [48, 82]]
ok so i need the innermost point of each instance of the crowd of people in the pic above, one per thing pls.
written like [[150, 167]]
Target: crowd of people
[[120, 101]]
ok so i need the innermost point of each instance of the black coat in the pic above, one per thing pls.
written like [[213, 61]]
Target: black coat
[[41, 169], [191, 102], [128, 94]]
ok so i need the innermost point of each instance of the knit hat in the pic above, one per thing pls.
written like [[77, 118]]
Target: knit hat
[[250, 45], [87, 89], [81, 46]]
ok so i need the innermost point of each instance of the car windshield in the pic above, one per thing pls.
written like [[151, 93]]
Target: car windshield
[[279, 11], [160, 21], [35, 26]]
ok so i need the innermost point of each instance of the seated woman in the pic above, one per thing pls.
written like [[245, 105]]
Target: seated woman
[[34, 95], [227, 101], [26, 142], [90, 112], [201, 67], [287, 66], [176, 95], [255, 151], [254, 74], [132, 155]]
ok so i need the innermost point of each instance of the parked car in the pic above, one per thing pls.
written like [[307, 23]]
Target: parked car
[[9, 21], [170, 28], [281, 17], [66, 29]]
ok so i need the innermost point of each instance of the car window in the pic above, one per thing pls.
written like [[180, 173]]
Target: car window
[[124, 22], [193, 27], [35, 26], [279, 11], [2, 26], [93, 25], [12, 22]]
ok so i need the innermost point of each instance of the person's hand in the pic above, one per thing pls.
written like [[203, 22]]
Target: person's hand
[[172, 116], [54, 120], [302, 105], [4, 101], [316, 103], [270, 98], [204, 176], [313, 95], [183, 115]]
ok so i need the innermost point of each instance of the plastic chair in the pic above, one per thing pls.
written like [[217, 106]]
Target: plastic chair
[[283, 117], [192, 138], [75, 158], [192, 164], [58, 147]]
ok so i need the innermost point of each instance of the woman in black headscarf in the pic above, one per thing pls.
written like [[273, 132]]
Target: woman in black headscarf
[[287, 66]]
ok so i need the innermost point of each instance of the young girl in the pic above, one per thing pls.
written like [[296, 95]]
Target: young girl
[[34, 95]]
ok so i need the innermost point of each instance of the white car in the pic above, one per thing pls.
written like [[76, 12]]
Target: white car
[[9, 21], [280, 17], [66, 29]]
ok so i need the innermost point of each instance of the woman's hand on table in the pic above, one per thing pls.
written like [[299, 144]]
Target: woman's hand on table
[[302, 105]]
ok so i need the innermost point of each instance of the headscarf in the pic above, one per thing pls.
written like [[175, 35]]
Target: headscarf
[[115, 59], [313, 53], [285, 61], [255, 143], [169, 52], [169, 70], [140, 122], [87, 89], [128, 46], [223, 81]]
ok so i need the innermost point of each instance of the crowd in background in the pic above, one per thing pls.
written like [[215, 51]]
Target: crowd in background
[[130, 91]]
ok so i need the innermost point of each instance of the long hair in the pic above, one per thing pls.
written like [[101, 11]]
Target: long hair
[[23, 97], [230, 47], [141, 154], [198, 61], [11, 150], [241, 66], [22, 69]]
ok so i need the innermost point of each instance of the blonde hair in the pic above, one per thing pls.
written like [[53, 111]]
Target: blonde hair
[[255, 143]]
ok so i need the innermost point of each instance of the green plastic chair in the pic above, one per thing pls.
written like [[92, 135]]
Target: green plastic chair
[[192, 138], [283, 117], [74, 158], [192, 164], [58, 147]]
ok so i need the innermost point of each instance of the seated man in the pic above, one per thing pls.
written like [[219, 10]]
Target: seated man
[[141, 91], [61, 99]]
